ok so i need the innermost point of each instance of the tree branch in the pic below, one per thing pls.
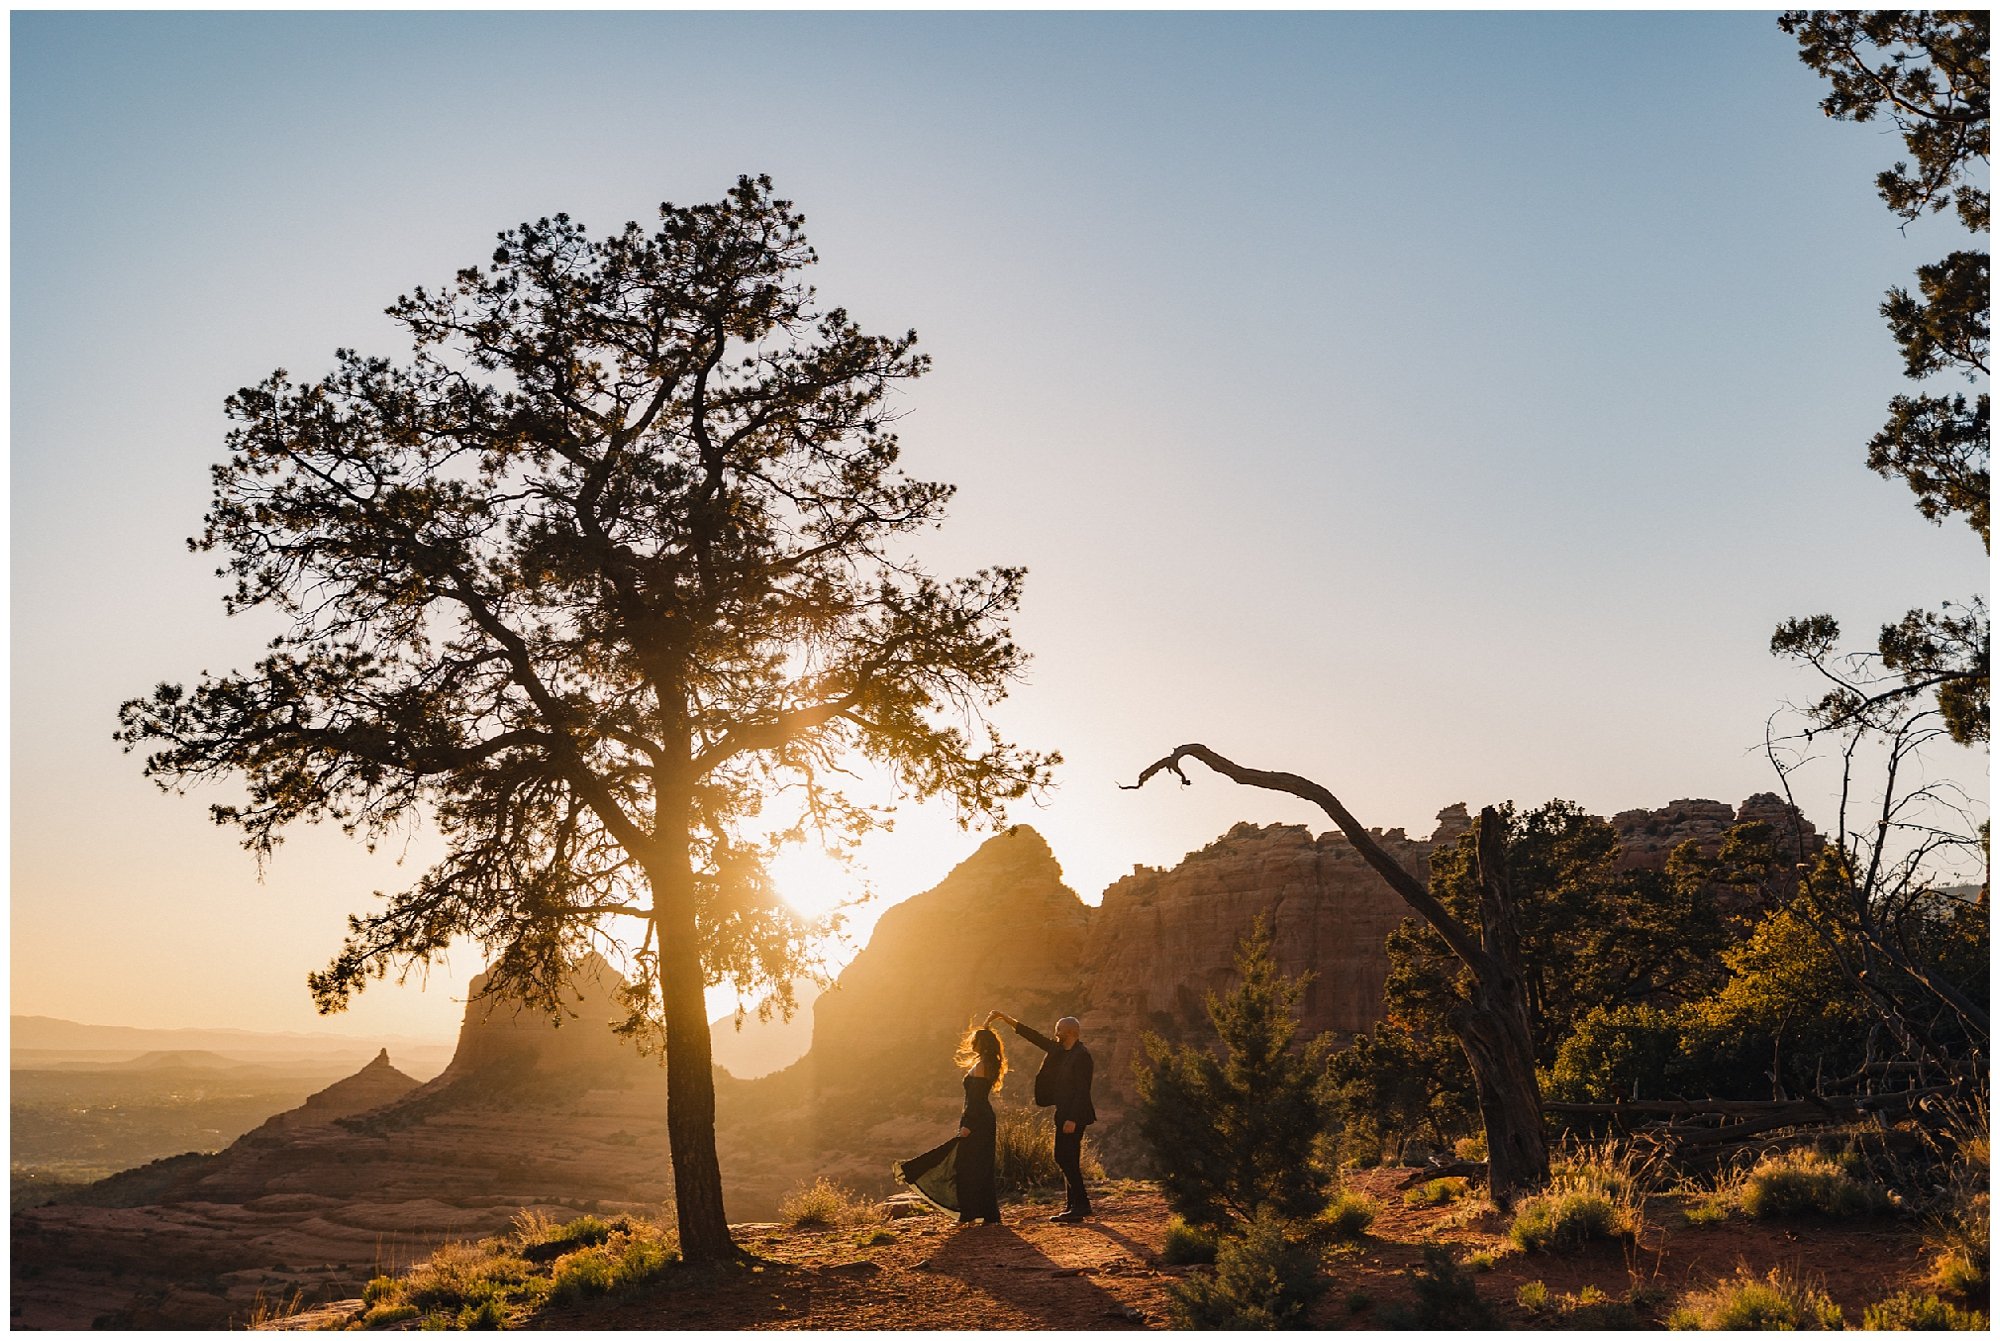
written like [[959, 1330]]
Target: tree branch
[[1412, 891]]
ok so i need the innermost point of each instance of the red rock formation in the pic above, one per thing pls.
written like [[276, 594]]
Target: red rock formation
[[748, 1048], [1002, 930], [1162, 940], [501, 1032], [373, 1086]]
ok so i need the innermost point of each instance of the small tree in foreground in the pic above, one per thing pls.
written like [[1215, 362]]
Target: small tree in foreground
[[607, 583], [1237, 1132]]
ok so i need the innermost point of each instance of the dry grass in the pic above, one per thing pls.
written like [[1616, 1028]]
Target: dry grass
[[499, 1282], [1595, 1194], [824, 1204], [1806, 1182], [1780, 1301]]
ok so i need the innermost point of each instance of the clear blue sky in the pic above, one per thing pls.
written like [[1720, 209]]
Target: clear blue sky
[[1444, 406]]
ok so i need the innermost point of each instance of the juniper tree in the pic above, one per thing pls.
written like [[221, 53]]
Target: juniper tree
[[608, 581], [1236, 1131], [1929, 74]]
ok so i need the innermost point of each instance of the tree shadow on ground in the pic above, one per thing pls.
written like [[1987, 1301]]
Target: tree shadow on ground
[[1139, 1251], [998, 1262]]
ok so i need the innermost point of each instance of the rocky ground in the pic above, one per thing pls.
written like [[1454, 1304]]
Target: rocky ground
[[1107, 1274]]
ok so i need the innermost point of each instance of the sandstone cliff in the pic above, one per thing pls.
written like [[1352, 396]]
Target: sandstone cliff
[[371, 1087], [1162, 940]]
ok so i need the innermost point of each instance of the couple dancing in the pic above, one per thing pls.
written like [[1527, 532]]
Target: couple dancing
[[959, 1175]]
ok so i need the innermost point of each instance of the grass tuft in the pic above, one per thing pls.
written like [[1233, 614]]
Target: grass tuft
[[823, 1205], [1437, 1192], [1910, 1312], [1186, 1245], [1349, 1214], [1778, 1302], [1569, 1215], [1806, 1182]]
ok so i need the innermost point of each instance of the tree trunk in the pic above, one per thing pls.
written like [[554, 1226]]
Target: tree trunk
[[1510, 1103], [1493, 1029], [704, 1229]]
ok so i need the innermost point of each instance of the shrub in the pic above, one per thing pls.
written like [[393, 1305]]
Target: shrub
[[379, 1289], [821, 1205], [1446, 1297], [1705, 1211], [1263, 1279], [876, 1237], [1187, 1245], [1805, 1182], [462, 1274], [1570, 1214], [487, 1316], [384, 1315], [1957, 1232], [1534, 1296], [1240, 1128], [580, 1274], [1437, 1192], [1778, 1302], [536, 1229], [1024, 1154], [1480, 1261], [1349, 1214], [1909, 1312]]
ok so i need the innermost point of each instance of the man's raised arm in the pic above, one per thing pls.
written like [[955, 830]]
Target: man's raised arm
[[1034, 1036]]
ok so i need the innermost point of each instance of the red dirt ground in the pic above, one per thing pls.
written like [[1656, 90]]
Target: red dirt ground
[[1105, 1274]]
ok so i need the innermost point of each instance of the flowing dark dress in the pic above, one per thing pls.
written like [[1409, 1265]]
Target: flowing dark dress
[[958, 1175]]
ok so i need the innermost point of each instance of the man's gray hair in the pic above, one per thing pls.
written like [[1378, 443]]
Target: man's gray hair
[[1071, 1021]]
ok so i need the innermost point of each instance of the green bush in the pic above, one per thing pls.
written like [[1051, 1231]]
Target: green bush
[[379, 1289], [1264, 1279], [1612, 1050], [486, 1316], [1446, 1298], [581, 1274], [459, 1275], [384, 1315], [1533, 1296], [1779, 1302], [1349, 1214], [1909, 1312], [1241, 1126], [1437, 1192], [1187, 1245], [1569, 1215], [1805, 1182]]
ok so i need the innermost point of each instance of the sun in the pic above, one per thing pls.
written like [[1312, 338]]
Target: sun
[[812, 883]]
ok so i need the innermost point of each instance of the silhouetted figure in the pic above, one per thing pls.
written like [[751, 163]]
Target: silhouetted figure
[[1064, 1082], [959, 1175]]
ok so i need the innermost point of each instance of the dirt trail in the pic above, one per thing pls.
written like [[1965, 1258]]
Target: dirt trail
[[1106, 1274]]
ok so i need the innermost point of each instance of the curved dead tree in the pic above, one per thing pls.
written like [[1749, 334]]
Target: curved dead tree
[[1491, 1021]]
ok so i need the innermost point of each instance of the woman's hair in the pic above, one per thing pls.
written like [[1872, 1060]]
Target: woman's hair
[[982, 1044]]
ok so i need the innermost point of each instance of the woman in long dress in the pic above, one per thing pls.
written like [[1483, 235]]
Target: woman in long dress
[[959, 1175]]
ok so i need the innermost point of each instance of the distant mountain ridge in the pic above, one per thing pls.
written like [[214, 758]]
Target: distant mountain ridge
[[50, 1034]]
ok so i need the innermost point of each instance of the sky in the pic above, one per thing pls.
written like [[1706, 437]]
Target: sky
[[1445, 407]]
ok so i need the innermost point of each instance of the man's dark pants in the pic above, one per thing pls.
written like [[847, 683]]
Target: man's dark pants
[[1069, 1158]]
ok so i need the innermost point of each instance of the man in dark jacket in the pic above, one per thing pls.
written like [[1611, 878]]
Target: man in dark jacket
[[1063, 1081]]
